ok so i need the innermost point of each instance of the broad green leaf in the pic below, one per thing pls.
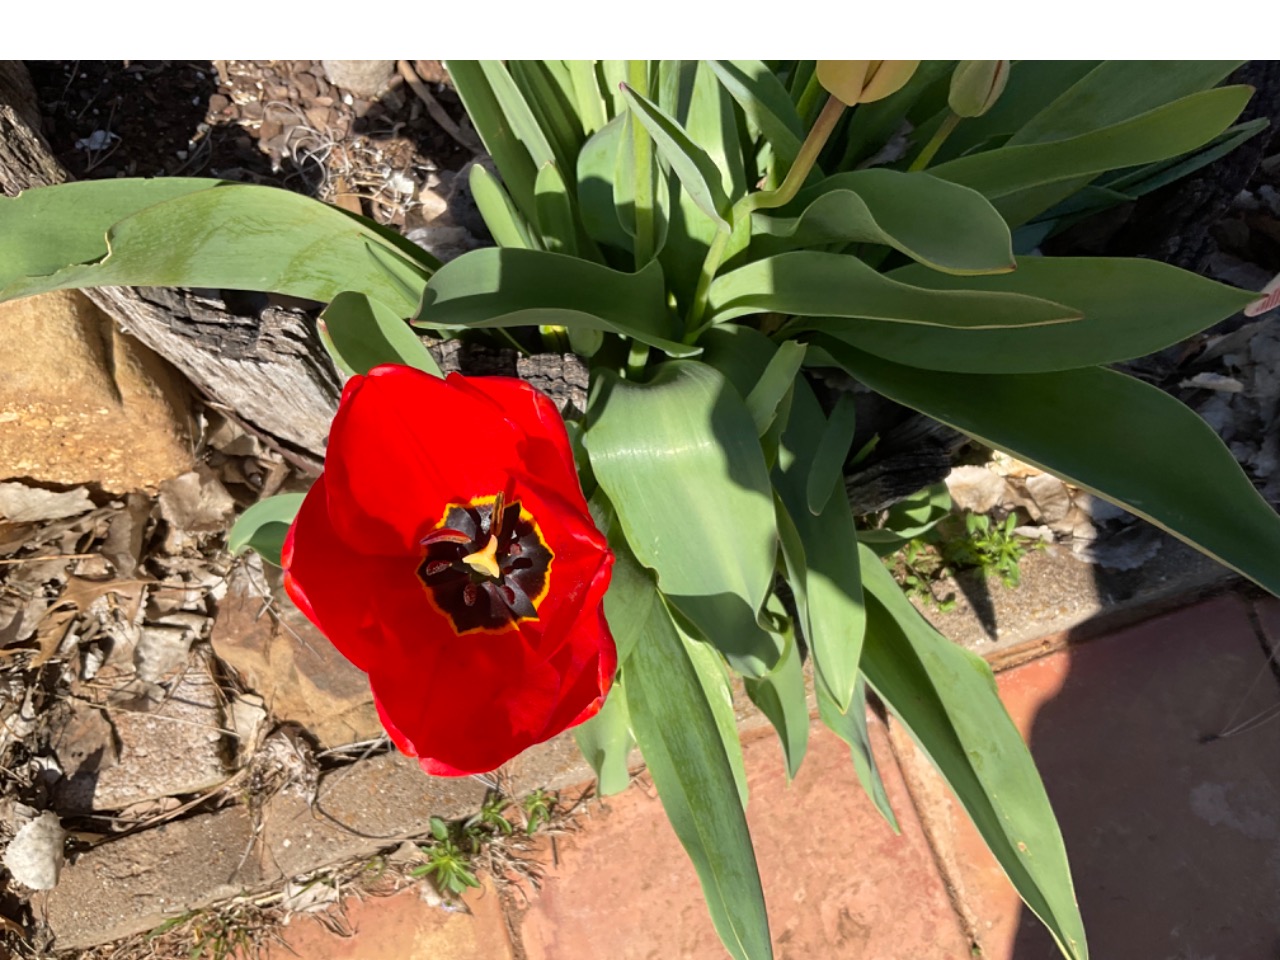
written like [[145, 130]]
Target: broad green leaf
[[826, 473], [695, 169], [1130, 308], [714, 677], [820, 552], [507, 288], [556, 221], [624, 190], [677, 734], [946, 698], [507, 225], [614, 75], [605, 741], [815, 284], [231, 236], [586, 92], [679, 459], [942, 225], [361, 333], [765, 103], [766, 396], [473, 79], [262, 528], [1119, 90], [851, 727], [780, 695], [1142, 181], [1002, 175], [44, 229], [1109, 433]]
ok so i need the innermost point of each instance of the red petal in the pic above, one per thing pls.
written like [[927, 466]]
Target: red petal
[[333, 585], [404, 445], [545, 449]]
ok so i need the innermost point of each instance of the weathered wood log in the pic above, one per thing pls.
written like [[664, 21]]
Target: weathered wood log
[[266, 367]]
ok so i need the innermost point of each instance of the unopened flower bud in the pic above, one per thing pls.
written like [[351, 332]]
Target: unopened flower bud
[[976, 85], [862, 81]]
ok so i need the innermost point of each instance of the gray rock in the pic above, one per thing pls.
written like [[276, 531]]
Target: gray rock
[[1052, 501], [364, 78]]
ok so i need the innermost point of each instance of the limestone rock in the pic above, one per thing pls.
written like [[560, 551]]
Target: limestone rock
[[1052, 499], [975, 488], [82, 403], [297, 671], [364, 78]]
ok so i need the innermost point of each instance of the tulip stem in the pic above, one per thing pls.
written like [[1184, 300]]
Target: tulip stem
[[637, 358], [935, 142], [805, 161]]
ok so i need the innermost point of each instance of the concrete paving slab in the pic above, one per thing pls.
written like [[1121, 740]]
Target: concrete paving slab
[[838, 883], [1174, 836], [403, 927]]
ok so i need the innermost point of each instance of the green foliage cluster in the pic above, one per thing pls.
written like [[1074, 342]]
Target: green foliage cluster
[[705, 232]]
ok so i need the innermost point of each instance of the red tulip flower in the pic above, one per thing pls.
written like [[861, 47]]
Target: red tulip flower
[[447, 551]]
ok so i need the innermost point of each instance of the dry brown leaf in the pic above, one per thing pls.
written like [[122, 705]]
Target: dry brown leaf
[[51, 632]]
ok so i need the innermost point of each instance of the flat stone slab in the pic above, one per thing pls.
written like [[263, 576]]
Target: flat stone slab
[[360, 809], [837, 881], [1174, 836], [135, 884]]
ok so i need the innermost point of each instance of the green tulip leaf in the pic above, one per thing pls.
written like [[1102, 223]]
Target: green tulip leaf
[[780, 695], [765, 103], [676, 731], [597, 173], [765, 398], [229, 236], [851, 727], [1118, 437], [1130, 308], [488, 92], [815, 284], [586, 91], [946, 698], [826, 474], [820, 552], [262, 528], [1119, 90], [908, 519], [507, 288], [939, 224], [714, 677], [692, 165], [546, 91], [680, 460], [1011, 177], [556, 221], [505, 222], [360, 333], [605, 741]]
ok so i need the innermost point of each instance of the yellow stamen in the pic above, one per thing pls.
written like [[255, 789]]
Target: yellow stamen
[[485, 561]]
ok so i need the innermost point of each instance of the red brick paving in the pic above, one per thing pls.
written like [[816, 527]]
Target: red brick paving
[[837, 882], [1175, 841]]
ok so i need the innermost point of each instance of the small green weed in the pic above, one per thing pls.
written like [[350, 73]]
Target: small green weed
[[448, 865], [990, 547]]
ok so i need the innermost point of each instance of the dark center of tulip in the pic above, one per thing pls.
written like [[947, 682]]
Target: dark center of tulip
[[486, 565]]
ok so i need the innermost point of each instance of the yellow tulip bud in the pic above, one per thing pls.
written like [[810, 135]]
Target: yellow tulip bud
[[863, 81], [976, 85]]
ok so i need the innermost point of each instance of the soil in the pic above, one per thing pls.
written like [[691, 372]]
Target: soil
[[275, 122]]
